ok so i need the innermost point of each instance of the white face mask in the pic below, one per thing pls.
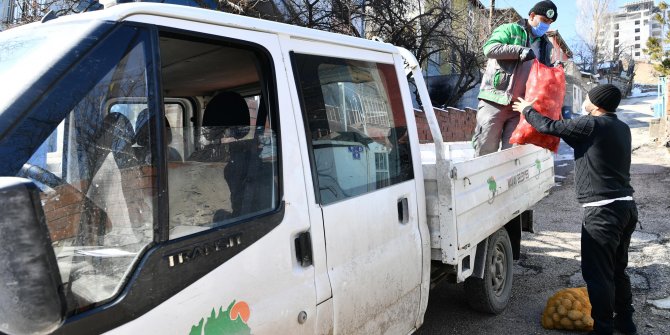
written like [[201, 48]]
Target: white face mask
[[584, 111]]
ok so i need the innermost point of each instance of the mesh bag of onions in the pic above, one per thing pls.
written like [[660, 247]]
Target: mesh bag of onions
[[547, 84]]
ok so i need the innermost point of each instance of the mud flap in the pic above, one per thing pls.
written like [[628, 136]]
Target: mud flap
[[514, 231], [480, 258], [527, 221], [523, 222]]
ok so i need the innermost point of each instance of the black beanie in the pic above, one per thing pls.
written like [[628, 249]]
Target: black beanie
[[545, 8], [605, 96]]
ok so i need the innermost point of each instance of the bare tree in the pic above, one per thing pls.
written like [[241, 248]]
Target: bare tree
[[655, 46], [463, 44], [594, 18], [26, 11], [424, 28]]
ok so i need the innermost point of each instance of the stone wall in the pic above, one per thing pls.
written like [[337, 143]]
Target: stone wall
[[455, 124], [117, 199]]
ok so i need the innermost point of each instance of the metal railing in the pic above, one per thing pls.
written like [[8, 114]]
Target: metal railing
[[359, 110], [659, 108]]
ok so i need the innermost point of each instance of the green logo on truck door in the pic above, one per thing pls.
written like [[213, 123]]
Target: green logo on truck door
[[231, 321], [493, 188]]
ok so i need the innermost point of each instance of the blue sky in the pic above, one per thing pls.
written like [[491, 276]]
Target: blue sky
[[567, 14]]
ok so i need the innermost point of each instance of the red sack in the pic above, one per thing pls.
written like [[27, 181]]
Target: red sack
[[547, 84]]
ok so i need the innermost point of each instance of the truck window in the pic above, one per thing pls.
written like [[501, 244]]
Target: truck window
[[355, 118], [231, 174], [97, 195]]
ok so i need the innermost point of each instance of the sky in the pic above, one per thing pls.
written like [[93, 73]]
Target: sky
[[567, 14]]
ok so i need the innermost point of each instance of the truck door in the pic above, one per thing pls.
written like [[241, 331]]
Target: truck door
[[152, 241], [239, 180], [362, 172]]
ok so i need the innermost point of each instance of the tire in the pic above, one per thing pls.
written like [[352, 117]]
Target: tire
[[492, 293]]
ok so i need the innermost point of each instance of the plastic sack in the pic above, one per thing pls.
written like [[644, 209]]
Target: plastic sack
[[547, 84], [568, 309]]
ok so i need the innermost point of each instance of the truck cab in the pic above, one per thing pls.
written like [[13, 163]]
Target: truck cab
[[194, 172]]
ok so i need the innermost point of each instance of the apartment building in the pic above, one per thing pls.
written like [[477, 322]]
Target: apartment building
[[6, 11], [628, 29]]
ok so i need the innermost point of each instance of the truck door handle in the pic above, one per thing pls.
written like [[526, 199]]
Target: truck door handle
[[403, 210], [303, 249]]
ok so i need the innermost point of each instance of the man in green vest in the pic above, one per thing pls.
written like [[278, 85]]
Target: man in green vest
[[509, 50]]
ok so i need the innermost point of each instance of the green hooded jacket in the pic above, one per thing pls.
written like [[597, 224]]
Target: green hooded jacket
[[504, 78]]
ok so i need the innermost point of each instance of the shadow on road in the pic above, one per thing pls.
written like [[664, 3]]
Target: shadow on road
[[634, 119]]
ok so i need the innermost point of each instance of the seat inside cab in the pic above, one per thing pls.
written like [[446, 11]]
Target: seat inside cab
[[226, 135]]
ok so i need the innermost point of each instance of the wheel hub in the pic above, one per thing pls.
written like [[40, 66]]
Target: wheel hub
[[498, 269]]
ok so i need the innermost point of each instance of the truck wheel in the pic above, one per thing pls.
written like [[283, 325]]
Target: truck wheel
[[491, 293]]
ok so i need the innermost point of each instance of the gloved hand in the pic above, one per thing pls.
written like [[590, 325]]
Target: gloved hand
[[526, 54]]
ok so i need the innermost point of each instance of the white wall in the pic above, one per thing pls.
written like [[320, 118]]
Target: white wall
[[4, 4]]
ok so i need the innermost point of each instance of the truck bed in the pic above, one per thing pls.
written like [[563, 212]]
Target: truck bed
[[468, 198]]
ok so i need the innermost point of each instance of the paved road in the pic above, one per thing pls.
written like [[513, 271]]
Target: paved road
[[550, 257]]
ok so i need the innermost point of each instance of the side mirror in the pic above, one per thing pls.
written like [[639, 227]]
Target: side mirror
[[31, 299]]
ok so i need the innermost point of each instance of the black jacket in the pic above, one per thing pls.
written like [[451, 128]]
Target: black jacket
[[602, 146]]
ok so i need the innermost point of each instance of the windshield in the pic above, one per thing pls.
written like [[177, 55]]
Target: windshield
[[26, 53]]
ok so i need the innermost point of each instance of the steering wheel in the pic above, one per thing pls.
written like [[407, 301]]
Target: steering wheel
[[41, 175]]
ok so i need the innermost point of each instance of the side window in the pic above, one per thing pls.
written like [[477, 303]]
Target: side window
[[355, 117], [97, 195], [229, 171]]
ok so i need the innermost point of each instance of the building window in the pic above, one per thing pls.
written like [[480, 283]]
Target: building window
[[637, 54], [637, 46], [616, 26], [637, 38], [637, 22], [637, 30], [616, 42], [646, 22]]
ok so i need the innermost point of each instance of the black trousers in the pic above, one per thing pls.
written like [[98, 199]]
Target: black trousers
[[606, 235]]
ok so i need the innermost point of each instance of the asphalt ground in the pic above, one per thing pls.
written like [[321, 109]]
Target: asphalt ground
[[550, 259]]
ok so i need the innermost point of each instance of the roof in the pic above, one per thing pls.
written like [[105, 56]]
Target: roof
[[509, 11], [560, 41], [124, 11], [478, 3]]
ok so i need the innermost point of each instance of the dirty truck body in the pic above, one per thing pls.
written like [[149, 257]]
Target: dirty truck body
[[173, 170]]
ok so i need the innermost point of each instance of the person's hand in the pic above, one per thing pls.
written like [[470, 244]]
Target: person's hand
[[520, 105], [527, 54]]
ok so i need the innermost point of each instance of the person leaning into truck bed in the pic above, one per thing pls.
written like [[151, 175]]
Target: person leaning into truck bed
[[509, 51], [602, 148]]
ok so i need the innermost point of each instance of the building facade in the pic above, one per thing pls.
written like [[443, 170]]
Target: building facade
[[628, 30]]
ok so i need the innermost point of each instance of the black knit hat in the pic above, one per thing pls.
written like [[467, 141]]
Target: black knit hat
[[605, 96], [545, 8]]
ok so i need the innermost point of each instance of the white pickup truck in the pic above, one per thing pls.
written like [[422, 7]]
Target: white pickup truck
[[174, 170]]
